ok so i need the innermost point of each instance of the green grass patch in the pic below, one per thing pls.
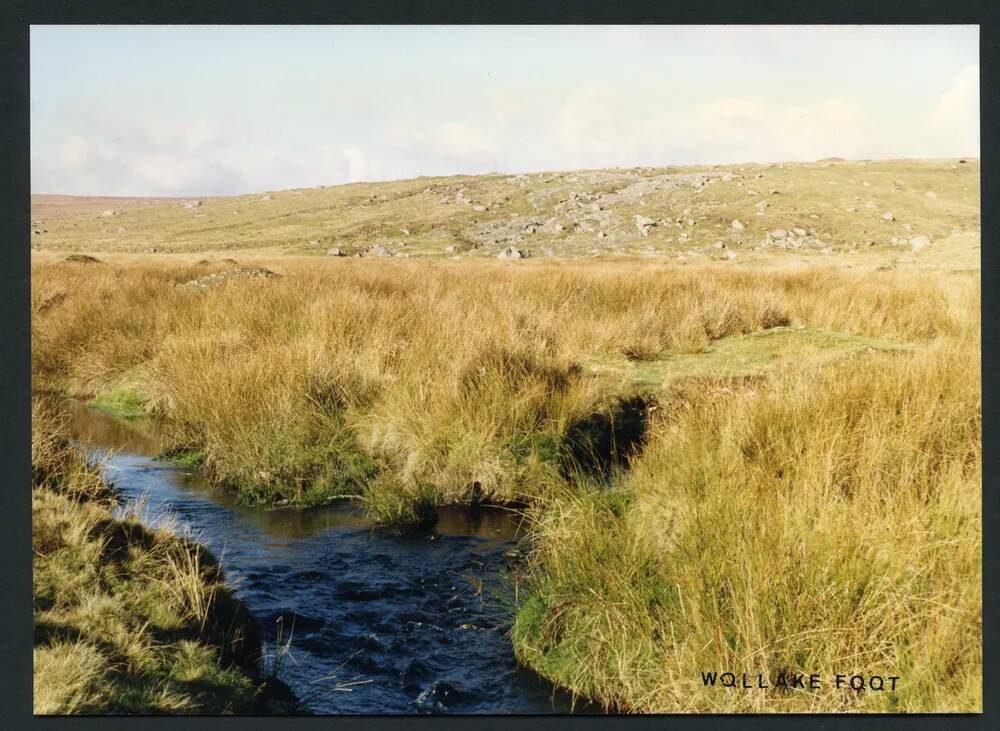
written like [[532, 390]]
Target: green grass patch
[[740, 355], [188, 457], [125, 402]]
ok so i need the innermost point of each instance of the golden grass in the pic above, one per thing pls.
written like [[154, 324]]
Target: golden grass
[[432, 377], [824, 519], [820, 513], [126, 620]]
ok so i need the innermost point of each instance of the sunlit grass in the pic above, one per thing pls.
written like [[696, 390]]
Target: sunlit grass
[[805, 495], [127, 620]]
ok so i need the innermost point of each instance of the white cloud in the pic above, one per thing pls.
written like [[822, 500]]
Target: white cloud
[[597, 127], [954, 121], [590, 126], [242, 110], [127, 157], [753, 129], [443, 149]]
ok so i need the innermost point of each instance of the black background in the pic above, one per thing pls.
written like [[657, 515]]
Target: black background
[[15, 360]]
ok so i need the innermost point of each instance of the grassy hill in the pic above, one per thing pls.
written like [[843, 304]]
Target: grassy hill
[[709, 212]]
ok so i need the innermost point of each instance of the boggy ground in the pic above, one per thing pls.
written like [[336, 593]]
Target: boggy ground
[[768, 464], [128, 620]]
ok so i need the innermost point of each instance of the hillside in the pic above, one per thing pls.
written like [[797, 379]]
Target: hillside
[[907, 208]]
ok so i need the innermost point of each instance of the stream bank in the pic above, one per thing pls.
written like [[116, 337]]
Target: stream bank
[[359, 620]]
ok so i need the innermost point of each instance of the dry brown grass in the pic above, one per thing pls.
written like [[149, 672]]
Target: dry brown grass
[[432, 376], [825, 518], [819, 516]]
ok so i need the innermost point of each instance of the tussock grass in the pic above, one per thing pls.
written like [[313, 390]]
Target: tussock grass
[[423, 379], [826, 519], [802, 500], [126, 620]]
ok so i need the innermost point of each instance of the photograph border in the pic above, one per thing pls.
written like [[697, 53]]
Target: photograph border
[[15, 363]]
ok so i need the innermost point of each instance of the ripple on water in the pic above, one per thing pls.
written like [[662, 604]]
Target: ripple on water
[[375, 623]]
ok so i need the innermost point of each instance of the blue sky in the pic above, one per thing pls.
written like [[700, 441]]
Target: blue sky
[[209, 110]]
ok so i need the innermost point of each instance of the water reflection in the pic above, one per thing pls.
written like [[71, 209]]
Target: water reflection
[[103, 432]]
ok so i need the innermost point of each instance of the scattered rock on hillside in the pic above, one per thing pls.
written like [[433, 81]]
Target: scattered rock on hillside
[[797, 238], [109, 213], [888, 216], [552, 226], [334, 251], [737, 226], [511, 253], [229, 275], [379, 251], [644, 224], [919, 242], [504, 231], [930, 194], [83, 259]]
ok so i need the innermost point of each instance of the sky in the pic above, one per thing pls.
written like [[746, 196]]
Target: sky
[[224, 110]]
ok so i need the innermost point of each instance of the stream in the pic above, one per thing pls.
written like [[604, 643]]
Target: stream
[[375, 622]]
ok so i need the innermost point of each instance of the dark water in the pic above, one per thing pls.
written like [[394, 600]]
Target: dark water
[[378, 623]]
